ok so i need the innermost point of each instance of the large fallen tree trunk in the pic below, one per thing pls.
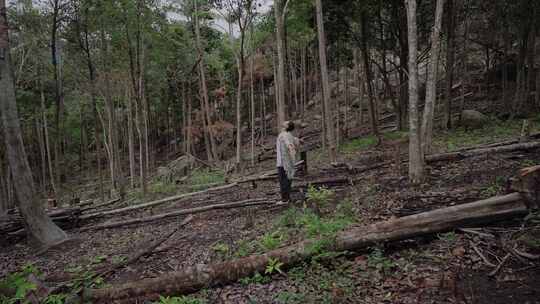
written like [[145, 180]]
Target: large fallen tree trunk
[[196, 277], [244, 203], [497, 149], [153, 203]]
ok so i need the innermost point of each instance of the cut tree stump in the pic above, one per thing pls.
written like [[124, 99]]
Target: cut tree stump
[[193, 278], [240, 204]]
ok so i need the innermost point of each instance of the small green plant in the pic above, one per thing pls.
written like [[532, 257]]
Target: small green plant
[[117, 259], [318, 197], [55, 299], [244, 248], [221, 249], [271, 241], [274, 265], [288, 218], [449, 237], [257, 278], [378, 261], [19, 283], [98, 259], [286, 297], [179, 300], [297, 273]]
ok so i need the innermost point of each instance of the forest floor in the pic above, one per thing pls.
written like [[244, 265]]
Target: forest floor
[[444, 268]]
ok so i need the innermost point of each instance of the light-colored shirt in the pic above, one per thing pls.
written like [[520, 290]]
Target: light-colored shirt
[[286, 146]]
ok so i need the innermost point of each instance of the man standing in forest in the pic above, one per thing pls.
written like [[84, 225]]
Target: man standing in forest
[[286, 149]]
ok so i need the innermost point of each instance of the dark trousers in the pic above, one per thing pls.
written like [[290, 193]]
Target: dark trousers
[[284, 185]]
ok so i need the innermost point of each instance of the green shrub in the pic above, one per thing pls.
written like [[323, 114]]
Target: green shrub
[[271, 241]]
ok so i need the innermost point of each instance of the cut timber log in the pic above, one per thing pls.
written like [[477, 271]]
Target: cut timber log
[[498, 149], [196, 277], [245, 203], [153, 203]]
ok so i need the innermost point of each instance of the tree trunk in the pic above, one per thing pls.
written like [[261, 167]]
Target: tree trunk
[[369, 79], [42, 232], [46, 134], [59, 94], [416, 159], [196, 277], [431, 84], [131, 140], [280, 83], [252, 108], [447, 122], [328, 121], [205, 105]]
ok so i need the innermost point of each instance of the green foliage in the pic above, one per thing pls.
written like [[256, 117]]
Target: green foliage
[[297, 273], [492, 131], [180, 300], [202, 179], [98, 259], [286, 297], [316, 226], [358, 144], [319, 196], [221, 249], [377, 260], [257, 278], [55, 299], [289, 218], [244, 248], [271, 241], [274, 265], [448, 237], [18, 282]]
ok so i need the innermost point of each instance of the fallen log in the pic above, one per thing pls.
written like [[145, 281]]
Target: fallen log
[[468, 153], [502, 143], [105, 204], [244, 203], [196, 277], [153, 203]]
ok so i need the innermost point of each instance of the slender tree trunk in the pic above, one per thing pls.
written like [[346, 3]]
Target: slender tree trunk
[[46, 134], [204, 90], [131, 140], [416, 160], [369, 80], [42, 232], [42, 154], [328, 121], [447, 122], [537, 93], [252, 107], [431, 84], [280, 84], [59, 94]]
